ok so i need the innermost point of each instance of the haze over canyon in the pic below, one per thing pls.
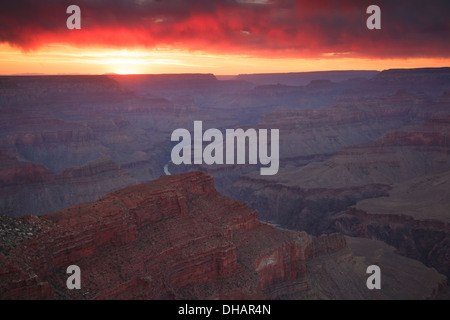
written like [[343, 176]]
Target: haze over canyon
[[363, 178]]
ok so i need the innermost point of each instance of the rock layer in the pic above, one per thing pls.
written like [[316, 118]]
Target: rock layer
[[176, 237]]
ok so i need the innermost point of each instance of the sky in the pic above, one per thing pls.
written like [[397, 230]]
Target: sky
[[223, 37]]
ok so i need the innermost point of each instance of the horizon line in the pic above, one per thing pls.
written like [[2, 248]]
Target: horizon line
[[32, 74], [206, 73]]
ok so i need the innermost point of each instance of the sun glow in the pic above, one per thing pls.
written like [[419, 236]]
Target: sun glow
[[63, 59], [124, 70]]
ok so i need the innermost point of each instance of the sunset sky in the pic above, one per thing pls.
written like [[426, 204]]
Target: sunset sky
[[221, 37]]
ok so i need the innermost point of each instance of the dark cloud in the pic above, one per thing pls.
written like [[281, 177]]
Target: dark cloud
[[262, 27]]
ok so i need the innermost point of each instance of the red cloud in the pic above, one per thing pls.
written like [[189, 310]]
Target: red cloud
[[266, 28]]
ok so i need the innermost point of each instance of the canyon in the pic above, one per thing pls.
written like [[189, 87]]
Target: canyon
[[178, 238], [363, 162]]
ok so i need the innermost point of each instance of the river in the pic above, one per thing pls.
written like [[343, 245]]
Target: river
[[166, 168]]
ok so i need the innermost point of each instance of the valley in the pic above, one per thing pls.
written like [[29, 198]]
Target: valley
[[363, 161]]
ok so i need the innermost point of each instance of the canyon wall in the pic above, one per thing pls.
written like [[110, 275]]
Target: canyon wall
[[174, 238]]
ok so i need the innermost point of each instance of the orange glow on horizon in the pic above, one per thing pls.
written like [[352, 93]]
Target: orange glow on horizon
[[63, 59]]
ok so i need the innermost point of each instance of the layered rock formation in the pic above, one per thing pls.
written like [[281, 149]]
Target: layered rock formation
[[366, 142], [303, 78], [62, 122], [339, 274], [71, 139], [303, 197], [29, 188], [176, 237], [414, 218], [429, 81], [402, 173]]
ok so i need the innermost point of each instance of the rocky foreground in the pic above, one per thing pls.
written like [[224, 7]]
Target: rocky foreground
[[178, 238]]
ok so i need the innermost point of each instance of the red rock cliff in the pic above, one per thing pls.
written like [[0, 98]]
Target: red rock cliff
[[175, 237]]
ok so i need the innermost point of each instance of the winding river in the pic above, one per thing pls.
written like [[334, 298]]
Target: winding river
[[166, 168]]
